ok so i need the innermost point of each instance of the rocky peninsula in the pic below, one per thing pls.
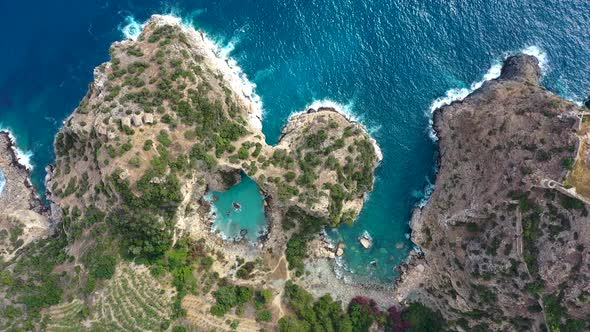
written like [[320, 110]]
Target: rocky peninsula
[[165, 121], [500, 249]]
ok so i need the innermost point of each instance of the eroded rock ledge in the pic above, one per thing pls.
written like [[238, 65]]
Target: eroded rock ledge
[[23, 218], [499, 251]]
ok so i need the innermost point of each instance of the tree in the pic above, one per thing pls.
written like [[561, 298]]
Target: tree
[[292, 324], [104, 266], [422, 318]]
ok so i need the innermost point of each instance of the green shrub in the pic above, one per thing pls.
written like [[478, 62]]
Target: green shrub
[[164, 138], [568, 163], [472, 227], [264, 316], [289, 176], [104, 266], [147, 145], [422, 318]]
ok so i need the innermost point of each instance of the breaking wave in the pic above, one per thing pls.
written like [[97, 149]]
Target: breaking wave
[[131, 29], [2, 181], [346, 111], [458, 94], [22, 157]]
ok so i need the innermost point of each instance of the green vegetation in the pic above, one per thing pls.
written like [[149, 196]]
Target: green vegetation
[[133, 300], [568, 163], [325, 314], [422, 318], [307, 228], [146, 222], [245, 271], [228, 297], [32, 283], [557, 316]]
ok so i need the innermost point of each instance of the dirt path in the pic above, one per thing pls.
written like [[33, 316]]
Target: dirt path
[[280, 271]]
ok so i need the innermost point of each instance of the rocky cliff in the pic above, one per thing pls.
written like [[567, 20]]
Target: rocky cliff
[[23, 218], [500, 248]]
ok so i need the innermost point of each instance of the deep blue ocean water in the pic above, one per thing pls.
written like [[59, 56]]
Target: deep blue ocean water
[[387, 61]]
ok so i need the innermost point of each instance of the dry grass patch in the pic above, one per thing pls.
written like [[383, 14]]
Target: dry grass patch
[[580, 174]]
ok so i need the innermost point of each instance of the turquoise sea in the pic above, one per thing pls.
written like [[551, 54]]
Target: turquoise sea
[[239, 211], [384, 61]]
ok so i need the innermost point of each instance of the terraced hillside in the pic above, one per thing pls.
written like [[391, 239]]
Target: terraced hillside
[[132, 301]]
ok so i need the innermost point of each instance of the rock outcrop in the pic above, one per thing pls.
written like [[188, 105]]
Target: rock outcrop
[[23, 218], [499, 250]]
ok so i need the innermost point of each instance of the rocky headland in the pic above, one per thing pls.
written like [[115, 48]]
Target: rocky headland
[[23, 217], [500, 249], [164, 121]]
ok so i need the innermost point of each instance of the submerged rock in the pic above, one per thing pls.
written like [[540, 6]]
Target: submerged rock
[[340, 250], [366, 240]]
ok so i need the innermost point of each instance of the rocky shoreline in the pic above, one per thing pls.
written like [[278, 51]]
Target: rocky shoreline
[[475, 232], [20, 206]]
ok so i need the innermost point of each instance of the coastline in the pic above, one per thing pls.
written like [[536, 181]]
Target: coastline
[[459, 94], [20, 157], [328, 105], [20, 160], [19, 202], [227, 66]]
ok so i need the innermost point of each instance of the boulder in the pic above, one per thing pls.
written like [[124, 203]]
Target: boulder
[[366, 240], [148, 118], [340, 250], [126, 122], [136, 120]]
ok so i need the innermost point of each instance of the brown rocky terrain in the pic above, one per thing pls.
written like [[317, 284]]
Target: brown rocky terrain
[[501, 250], [23, 218]]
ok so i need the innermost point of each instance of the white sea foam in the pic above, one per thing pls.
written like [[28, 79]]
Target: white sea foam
[[219, 58], [346, 111], [540, 55], [425, 195], [22, 157], [457, 94], [131, 29]]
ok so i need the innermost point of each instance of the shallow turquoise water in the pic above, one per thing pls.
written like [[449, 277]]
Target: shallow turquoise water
[[248, 215], [386, 60]]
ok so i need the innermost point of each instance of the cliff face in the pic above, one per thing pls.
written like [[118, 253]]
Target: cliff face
[[499, 249], [23, 219]]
